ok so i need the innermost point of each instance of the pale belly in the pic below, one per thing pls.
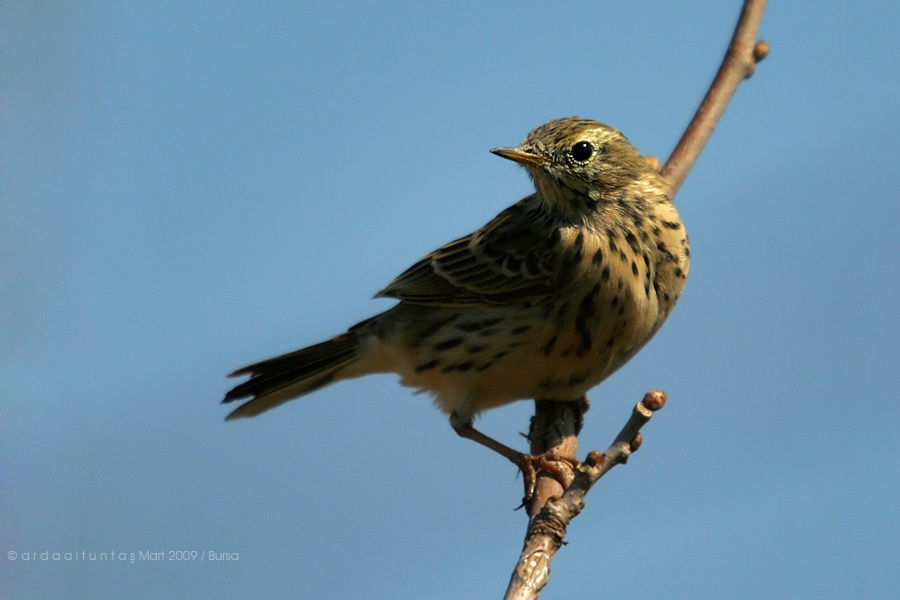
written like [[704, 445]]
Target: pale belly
[[480, 360]]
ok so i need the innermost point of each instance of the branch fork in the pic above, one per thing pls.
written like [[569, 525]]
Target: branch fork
[[548, 524]]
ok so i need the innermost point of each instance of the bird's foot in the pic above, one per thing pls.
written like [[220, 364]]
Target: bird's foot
[[559, 468]]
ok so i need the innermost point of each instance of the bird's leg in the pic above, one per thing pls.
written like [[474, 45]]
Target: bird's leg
[[528, 464]]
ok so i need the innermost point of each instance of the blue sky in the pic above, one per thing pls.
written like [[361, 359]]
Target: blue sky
[[188, 187]]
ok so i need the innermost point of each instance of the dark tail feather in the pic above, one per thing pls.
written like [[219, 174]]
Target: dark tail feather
[[277, 380]]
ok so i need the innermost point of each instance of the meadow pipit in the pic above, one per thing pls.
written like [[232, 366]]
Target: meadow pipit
[[545, 301]]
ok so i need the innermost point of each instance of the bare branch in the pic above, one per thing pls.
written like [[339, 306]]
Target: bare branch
[[739, 63], [553, 428], [547, 528]]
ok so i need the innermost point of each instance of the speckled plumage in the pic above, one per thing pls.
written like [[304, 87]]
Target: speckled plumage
[[545, 301]]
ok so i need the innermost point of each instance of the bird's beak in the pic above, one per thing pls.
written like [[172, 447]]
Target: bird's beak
[[520, 156]]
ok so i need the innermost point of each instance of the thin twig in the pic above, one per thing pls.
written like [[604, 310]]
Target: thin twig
[[739, 63], [551, 513]]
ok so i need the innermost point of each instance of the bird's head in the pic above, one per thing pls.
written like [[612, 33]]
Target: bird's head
[[578, 161]]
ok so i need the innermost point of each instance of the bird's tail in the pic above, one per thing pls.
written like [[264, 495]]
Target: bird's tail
[[277, 380]]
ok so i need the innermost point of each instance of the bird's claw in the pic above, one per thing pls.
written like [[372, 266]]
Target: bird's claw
[[559, 468]]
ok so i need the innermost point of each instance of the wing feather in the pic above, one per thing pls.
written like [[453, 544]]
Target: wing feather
[[512, 258]]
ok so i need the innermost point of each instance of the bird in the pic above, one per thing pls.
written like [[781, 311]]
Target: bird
[[545, 301]]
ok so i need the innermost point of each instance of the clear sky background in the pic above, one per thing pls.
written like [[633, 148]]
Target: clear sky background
[[189, 187]]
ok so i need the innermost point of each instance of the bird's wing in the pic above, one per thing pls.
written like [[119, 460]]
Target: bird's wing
[[512, 258]]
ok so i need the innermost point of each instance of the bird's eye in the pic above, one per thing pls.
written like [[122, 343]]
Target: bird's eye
[[582, 151]]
